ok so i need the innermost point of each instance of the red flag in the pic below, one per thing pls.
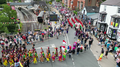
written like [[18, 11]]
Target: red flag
[[64, 42]]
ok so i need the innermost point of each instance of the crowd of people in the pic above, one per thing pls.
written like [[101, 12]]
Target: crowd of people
[[15, 53]]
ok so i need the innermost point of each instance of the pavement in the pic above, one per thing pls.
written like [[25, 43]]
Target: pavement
[[105, 62]]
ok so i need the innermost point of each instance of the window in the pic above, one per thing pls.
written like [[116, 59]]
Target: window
[[81, 6], [115, 22], [102, 17], [78, 4], [104, 8], [118, 10]]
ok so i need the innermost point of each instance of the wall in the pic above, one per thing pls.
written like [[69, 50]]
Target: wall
[[110, 10], [83, 3]]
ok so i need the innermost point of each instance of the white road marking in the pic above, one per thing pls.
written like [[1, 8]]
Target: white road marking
[[67, 39], [53, 45], [96, 57]]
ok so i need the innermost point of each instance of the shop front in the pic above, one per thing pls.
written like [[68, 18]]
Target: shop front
[[112, 33], [102, 26], [114, 28]]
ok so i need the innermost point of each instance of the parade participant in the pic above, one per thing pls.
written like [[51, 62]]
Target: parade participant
[[53, 57], [41, 58], [56, 52], [64, 56], [34, 59], [47, 57], [5, 63], [70, 53], [73, 50], [81, 48], [101, 55], [60, 57], [11, 62]]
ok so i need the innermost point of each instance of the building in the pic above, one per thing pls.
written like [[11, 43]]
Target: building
[[93, 2], [109, 18], [74, 4]]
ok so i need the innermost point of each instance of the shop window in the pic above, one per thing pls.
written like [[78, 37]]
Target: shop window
[[115, 22], [118, 10], [102, 17]]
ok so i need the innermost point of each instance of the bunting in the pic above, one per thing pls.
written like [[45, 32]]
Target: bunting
[[10, 22]]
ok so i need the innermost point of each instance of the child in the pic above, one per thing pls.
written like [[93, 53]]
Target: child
[[53, 57], [81, 48]]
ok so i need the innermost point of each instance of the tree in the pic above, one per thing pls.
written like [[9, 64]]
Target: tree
[[2, 1], [103, 0], [6, 14], [58, 0], [3, 28]]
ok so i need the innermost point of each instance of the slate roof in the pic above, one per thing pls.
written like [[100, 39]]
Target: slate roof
[[112, 2], [92, 9], [116, 16], [39, 2], [20, 4]]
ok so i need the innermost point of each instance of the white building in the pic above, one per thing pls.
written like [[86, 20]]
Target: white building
[[109, 19], [27, 1]]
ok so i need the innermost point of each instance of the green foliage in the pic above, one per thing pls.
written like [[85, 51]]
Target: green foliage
[[3, 28], [103, 0], [58, 0], [63, 4], [2, 1], [6, 14], [75, 12]]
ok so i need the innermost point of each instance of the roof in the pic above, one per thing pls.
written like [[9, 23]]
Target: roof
[[116, 16], [94, 16], [112, 2], [20, 4], [92, 9], [39, 2], [103, 12]]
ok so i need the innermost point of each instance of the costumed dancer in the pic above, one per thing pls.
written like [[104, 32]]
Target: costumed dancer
[[56, 52], [41, 58], [5, 63], [64, 56], [60, 57], [47, 57], [34, 59], [11, 62], [53, 57]]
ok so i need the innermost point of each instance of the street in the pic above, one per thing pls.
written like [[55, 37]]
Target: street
[[85, 59]]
